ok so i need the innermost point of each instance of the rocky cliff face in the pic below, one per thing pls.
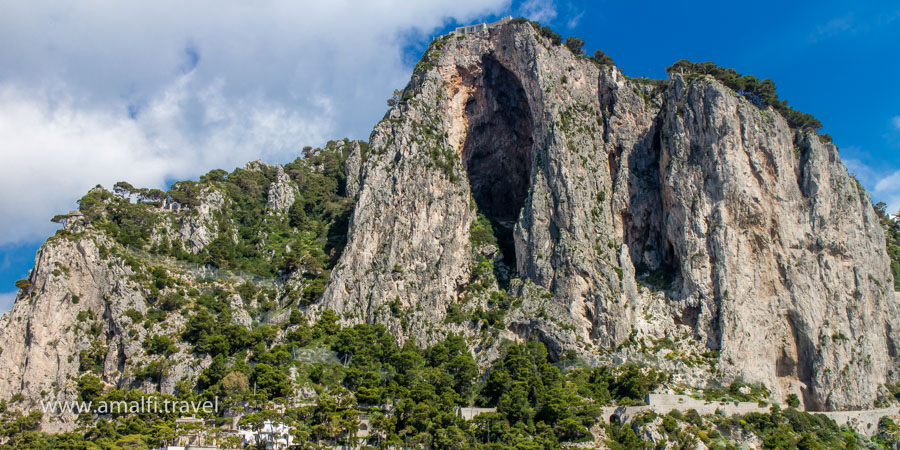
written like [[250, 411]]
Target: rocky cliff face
[[639, 212], [79, 315], [520, 191]]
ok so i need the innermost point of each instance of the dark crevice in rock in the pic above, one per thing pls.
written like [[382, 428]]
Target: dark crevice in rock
[[689, 315], [785, 366], [891, 345], [651, 251], [497, 150], [805, 355]]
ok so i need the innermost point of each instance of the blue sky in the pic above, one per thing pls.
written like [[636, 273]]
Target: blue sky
[[101, 91]]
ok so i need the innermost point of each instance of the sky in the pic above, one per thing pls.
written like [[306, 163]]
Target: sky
[[98, 91]]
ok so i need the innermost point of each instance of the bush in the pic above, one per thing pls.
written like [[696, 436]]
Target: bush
[[160, 345], [793, 401], [602, 58], [548, 33], [235, 383], [575, 45], [172, 302], [89, 387]]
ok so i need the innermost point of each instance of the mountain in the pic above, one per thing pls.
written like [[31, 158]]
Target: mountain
[[515, 191], [630, 210]]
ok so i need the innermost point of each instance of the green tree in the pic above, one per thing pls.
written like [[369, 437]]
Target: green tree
[[602, 58], [575, 45], [793, 401], [270, 381]]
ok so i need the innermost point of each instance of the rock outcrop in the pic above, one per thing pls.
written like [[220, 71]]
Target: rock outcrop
[[282, 192]]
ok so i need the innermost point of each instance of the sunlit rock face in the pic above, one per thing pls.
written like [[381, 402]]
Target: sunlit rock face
[[625, 210]]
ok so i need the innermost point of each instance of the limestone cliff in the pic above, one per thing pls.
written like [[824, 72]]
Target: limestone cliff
[[639, 211]]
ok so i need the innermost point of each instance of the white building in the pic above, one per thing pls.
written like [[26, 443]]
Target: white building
[[272, 435], [480, 27]]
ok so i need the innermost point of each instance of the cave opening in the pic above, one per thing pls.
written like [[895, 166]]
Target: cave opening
[[497, 150]]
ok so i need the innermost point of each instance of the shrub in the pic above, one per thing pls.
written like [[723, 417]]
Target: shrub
[[171, 302], [160, 345], [89, 387], [575, 45], [602, 58], [793, 401], [548, 33]]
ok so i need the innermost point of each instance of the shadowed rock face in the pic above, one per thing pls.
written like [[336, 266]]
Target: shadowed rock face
[[497, 150]]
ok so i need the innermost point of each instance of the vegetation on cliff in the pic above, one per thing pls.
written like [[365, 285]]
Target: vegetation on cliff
[[891, 228], [759, 92]]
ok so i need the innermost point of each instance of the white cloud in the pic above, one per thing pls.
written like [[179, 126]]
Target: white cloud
[[896, 122], [833, 27], [539, 10], [888, 183], [100, 91], [884, 186], [6, 301], [865, 174], [574, 20]]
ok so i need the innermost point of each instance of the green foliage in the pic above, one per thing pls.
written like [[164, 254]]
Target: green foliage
[[130, 224], [532, 393], [270, 381], [153, 371], [19, 430], [498, 304], [396, 307], [791, 429], [160, 345], [308, 239], [92, 360], [739, 391], [187, 193], [134, 315], [538, 404], [623, 437], [760, 93], [792, 400], [482, 232], [296, 317], [89, 387], [660, 278], [172, 302], [602, 58], [627, 384], [891, 228], [548, 33], [575, 45]]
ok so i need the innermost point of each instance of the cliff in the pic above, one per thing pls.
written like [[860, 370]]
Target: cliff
[[639, 211]]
